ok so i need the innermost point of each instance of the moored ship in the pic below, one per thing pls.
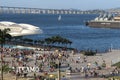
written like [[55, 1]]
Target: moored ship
[[105, 21]]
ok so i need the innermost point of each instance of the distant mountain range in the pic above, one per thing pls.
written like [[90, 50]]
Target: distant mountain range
[[113, 10], [98, 11]]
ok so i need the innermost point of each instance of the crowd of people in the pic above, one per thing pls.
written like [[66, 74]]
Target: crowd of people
[[47, 61]]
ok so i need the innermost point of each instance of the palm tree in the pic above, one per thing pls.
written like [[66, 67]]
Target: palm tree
[[4, 36]]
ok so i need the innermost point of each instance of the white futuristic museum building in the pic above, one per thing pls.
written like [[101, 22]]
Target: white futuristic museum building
[[20, 29]]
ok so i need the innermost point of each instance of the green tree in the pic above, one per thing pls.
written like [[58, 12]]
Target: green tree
[[57, 40]]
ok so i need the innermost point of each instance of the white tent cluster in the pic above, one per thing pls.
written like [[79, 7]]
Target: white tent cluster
[[20, 29]]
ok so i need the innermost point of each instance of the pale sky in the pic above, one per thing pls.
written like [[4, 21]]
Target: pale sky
[[63, 4]]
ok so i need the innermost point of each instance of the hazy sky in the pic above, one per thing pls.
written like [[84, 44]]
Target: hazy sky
[[63, 4]]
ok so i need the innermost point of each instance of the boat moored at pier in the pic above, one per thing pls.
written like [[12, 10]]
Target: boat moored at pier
[[105, 21]]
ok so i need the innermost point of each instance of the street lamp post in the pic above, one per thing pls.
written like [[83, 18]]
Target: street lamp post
[[59, 57], [59, 75]]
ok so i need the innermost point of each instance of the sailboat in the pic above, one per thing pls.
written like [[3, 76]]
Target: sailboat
[[59, 17]]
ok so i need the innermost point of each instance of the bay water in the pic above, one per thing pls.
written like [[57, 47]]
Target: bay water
[[72, 27]]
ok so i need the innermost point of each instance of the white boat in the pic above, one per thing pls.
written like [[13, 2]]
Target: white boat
[[59, 17], [105, 21]]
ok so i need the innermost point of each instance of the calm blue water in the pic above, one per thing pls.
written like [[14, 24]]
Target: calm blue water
[[71, 27]]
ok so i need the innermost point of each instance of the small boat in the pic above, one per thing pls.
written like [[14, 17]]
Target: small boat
[[59, 17]]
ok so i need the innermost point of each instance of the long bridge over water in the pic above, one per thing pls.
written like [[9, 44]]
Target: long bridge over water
[[24, 10]]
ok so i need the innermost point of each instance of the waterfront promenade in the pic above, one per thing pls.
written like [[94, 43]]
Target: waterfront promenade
[[81, 67]]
